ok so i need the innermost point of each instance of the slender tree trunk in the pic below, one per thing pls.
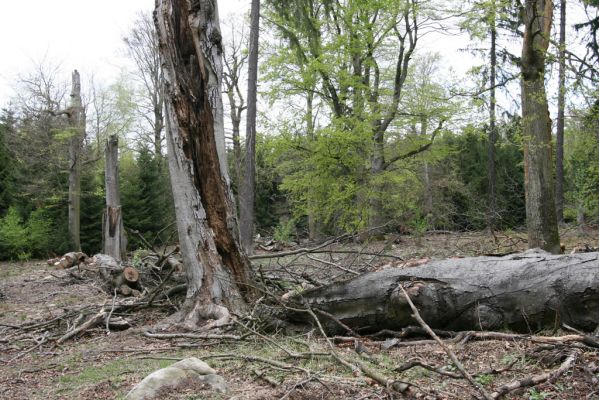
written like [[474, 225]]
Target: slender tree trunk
[[236, 122], [115, 242], [580, 216], [492, 125], [313, 225], [248, 193], [376, 216], [217, 270], [559, 158], [77, 127], [536, 129]]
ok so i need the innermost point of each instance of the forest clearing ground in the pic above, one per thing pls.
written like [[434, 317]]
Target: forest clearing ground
[[98, 365]]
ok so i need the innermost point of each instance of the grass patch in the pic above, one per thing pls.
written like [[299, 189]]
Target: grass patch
[[115, 371]]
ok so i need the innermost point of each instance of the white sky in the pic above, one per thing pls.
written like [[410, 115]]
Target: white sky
[[87, 35], [77, 34]]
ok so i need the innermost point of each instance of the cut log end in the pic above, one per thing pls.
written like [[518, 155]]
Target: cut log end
[[131, 274]]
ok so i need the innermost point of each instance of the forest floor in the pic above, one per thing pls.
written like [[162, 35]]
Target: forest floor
[[38, 303]]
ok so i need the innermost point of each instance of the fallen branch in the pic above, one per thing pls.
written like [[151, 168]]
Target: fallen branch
[[447, 350], [537, 379], [90, 323], [194, 336], [419, 363], [396, 385]]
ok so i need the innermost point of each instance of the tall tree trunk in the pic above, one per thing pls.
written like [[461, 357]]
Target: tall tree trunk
[[217, 270], [492, 124], [376, 215], [313, 225], [115, 242], [559, 158], [236, 122], [248, 193], [536, 129], [77, 127]]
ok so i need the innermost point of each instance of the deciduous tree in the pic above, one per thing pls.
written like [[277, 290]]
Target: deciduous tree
[[536, 128]]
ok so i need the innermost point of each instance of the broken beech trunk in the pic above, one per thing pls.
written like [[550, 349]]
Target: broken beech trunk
[[523, 292]]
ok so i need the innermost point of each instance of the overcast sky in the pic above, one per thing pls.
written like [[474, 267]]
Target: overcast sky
[[77, 34]]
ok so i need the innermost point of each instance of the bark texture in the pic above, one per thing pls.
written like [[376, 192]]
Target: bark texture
[[523, 292], [76, 116], [492, 122], [191, 50], [247, 200], [561, 105], [114, 239], [541, 219]]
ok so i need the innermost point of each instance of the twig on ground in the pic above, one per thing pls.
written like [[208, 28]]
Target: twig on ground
[[447, 350], [110, 313], [419, 363], [194, 336], [537, 379], [40, 342], [360, 367], [332, 264], [90, 323], [262, 375]]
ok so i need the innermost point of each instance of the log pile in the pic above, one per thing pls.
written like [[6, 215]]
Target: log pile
[[122, 278]]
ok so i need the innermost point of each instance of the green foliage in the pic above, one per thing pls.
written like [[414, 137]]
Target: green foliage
[[469, 158], [284, 231], [13, 235], [269, 200], [145, 197], [7, 161], [40, 232], [534, 394], [92, 209], [582, 165]]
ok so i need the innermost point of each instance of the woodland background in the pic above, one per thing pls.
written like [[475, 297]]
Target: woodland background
[[453, 146]]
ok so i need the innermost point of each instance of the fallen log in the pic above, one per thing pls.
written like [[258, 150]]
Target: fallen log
[[68, 260], [125, 279], [523, 292]]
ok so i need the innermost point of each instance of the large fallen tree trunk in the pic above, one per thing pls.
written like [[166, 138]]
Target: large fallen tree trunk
[[523, 292]]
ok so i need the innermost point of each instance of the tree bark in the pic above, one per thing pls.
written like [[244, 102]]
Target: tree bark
[[524, 292], [217, 270], [541, 219], [491, 221], [247, 199], [561, 97], [115, 241], [76, 118]]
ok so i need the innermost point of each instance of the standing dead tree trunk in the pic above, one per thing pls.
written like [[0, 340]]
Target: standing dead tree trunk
[[524, 292], [217, 270], [115, 242], [76, 118], [539, 185], [248, 192]]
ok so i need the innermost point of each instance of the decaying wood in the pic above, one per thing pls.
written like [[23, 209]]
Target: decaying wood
[[117, 276], [191, 51], [69, 260], [115, 242], [523, 292]]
